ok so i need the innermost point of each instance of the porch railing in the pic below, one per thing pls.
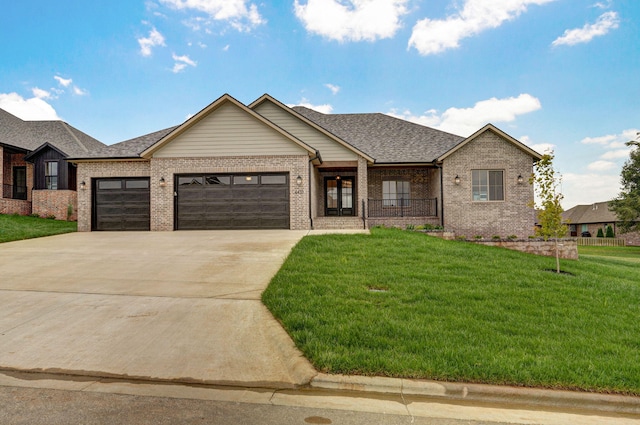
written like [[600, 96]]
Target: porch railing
[[10, 191], [403, 207]]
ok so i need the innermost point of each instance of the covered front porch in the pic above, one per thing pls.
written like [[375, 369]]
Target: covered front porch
[[15, 175], [356, 195]]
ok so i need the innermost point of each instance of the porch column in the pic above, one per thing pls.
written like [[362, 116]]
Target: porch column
[[363, 186], [2, 171]]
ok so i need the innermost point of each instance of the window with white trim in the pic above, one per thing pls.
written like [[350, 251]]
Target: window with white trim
[[395, 193], [487, 185]]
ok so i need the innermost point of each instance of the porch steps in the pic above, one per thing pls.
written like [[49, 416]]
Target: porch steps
[[331, 223]]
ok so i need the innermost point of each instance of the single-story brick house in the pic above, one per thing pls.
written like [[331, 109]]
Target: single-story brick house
[[266, 165], [591, 217], [34, 172]]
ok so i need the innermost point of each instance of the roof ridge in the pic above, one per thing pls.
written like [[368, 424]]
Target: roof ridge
[[66, 127]]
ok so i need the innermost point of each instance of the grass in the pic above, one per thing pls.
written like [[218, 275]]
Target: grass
[[628, 253], [403, 304], [18, 227]]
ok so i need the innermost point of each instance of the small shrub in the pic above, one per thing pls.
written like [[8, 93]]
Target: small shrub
[[51, 217], [610, 233], [600, 233], [410, 227], [36, 215], [532, 236], [438, 227], [428, 226], [477, 237], [419, 227], [496, 237], [461, 238], [69, 211], [512, 237]]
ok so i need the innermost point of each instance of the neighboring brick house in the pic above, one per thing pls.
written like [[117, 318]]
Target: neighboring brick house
[[265, 165], [34, 173], [590, 218]]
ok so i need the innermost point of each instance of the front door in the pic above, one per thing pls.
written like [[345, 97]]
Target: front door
[[339, 196], [19, 182]]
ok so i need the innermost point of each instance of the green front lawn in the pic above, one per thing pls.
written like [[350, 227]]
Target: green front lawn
[[17, 227], [397, 303], [629, 253]]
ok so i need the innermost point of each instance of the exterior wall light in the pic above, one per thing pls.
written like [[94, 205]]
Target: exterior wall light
[[299, 180], [83, 185], [457, 179], [520, 179], [162, 182]]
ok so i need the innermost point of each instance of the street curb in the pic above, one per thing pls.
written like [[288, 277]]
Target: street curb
[[479, 393]]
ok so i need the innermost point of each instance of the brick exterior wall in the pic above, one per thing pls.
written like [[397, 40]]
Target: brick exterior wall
[[92, 170], [468, 218], [47, 203], [15, 206], [421, 181], [162, 198]]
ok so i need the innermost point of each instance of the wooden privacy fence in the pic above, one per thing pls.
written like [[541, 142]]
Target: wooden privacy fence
[[601, 242]]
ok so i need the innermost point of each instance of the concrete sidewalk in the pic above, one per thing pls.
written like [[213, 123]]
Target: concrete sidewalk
[[162, 306]]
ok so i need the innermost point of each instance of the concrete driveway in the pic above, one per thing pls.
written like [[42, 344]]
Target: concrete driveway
[[174, 306]]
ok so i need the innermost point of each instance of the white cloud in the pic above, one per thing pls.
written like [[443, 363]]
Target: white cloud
[[601, 166], [435, 36], [465, 121], [79, 92], [334, 89], [181, 62], [351, 20], [587, 188], [148, 43], [241, 14], [538, 147], [63, 81], [606, 22], [32, 109], [40, 93], [612, 140], [325, 109], [617, 154], [226, 48]]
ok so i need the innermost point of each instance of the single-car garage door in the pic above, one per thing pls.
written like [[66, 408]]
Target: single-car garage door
[[232, 201], [121, 204]]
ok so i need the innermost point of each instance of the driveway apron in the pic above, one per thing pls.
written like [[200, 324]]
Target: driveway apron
[[168, 306]]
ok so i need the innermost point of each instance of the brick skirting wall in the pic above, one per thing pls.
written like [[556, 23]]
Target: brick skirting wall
[[15, 206], [47, 203], [402, 222]]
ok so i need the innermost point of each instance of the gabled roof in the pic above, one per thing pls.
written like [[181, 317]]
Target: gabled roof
[[30, 135], [267, 98], [42, 148], [385, 138], [496, 130], [224, 99], [592, 213]]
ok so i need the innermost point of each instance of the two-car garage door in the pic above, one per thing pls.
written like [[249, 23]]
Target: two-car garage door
[[202, 201]]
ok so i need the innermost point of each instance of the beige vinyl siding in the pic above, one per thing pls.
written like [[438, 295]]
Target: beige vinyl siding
[[330, 150], [229, 131]]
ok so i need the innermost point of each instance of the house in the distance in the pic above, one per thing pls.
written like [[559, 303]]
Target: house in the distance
[[34, 172], [265, 165], [589, 218]]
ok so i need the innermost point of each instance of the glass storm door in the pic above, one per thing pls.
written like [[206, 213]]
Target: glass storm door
[[339, 196]]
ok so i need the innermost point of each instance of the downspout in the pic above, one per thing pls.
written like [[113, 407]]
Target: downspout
[[309, 184], [439, 166]]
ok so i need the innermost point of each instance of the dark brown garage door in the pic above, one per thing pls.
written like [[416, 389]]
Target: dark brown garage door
[[121, 204], [232, 201]]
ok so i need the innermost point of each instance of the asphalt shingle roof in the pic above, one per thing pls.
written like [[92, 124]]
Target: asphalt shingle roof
[[592, 213], [30, 135], [385, 138], [131, 148]]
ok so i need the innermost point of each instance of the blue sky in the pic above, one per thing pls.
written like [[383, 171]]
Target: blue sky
[[560, 74]]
